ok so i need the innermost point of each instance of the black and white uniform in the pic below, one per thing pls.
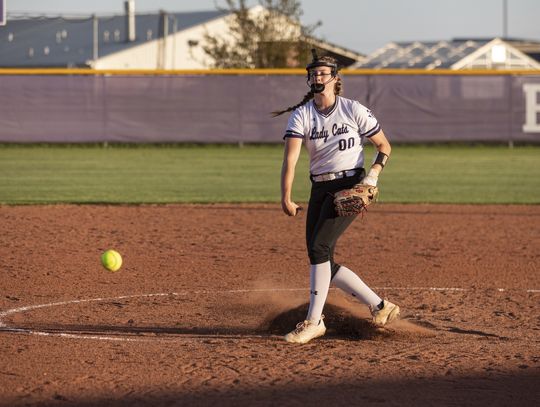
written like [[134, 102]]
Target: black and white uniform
[[334, 142]]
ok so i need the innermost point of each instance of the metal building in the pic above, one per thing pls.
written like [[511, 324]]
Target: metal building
[[457, 54], [130, 41]]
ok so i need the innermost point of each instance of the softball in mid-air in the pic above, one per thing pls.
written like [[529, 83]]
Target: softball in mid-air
[[111, 260]]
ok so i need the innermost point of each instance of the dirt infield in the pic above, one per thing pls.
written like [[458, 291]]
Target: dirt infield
[[195, 315]]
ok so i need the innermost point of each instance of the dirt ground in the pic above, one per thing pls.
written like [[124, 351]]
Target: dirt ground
[[197, 312]]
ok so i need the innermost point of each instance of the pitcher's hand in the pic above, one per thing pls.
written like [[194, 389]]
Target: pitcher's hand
[[290, 208]]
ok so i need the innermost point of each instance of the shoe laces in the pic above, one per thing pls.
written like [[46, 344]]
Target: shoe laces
[[301, 326]]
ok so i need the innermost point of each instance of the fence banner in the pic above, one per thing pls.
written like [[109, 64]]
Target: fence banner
[[236, 108]]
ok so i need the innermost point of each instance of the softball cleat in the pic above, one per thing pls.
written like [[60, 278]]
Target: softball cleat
[[388, 313], [306, 331]]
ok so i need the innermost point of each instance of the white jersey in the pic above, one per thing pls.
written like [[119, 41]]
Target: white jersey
[[334, 140]]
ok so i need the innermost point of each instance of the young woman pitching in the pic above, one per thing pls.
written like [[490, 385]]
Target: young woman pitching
[[333, 129]]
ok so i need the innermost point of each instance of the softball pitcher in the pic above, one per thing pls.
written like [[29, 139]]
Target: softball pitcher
[[333, 129]]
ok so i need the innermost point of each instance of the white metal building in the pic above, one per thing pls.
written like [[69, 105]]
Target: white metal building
[[457, 54], [129, 41]]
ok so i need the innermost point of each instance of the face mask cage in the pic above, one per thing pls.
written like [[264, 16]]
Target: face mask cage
[[315, 63]]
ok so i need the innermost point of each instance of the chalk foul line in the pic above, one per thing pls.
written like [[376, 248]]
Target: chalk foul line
[[126, 338]]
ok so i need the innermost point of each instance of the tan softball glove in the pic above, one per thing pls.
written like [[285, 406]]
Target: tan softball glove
[[355, 200]]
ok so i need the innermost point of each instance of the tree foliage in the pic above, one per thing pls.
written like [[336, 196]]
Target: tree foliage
[[271, 38]]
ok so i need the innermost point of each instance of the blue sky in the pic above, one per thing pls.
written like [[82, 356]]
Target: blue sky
[[360, 25]]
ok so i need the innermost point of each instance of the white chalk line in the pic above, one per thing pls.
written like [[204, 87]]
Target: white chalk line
[[127, 337], [4, 328]]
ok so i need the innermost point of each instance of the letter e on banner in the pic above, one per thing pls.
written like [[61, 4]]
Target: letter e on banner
[[532, 108]]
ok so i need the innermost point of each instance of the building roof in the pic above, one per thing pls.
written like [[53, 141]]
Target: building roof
[[61, 42], [344, 56], [438, 54], [69, 42]]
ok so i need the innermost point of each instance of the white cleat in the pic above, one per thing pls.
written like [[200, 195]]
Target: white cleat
[[388, 313], [306, 331]]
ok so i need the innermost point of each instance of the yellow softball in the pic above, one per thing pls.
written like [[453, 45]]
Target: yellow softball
[[111, 260]]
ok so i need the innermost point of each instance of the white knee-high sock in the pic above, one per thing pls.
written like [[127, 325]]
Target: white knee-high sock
[[349, 282], [320, 276]]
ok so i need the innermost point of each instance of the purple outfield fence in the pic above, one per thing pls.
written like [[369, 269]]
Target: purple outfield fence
[[236, 108]]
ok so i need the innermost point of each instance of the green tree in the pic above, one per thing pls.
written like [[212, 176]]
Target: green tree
[[271, 37]]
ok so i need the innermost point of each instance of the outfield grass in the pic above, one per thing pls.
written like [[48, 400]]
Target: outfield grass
[[166, 174]]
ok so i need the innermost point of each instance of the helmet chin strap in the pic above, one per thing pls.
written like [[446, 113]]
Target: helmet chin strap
[[319, 87]]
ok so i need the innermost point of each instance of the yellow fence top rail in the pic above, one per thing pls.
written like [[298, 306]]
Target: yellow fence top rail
[[179, 72]]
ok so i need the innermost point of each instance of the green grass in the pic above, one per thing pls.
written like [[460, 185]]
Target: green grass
[[166, 174]]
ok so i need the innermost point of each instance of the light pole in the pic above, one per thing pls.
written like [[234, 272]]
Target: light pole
[[505, 18]]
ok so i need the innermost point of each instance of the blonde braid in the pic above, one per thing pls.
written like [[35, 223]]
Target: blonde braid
[[338, 88]]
